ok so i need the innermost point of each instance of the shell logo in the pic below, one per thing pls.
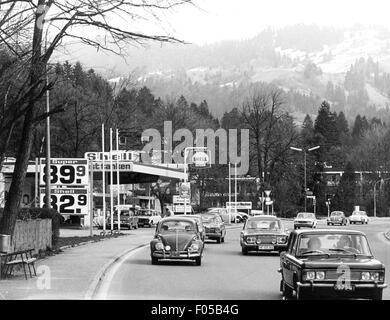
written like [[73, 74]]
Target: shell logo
[[200, 159]]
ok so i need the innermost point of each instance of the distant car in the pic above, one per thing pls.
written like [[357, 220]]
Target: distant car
[[257, 213], [128, 219], [305, 219], [263, 233], [222, 212], [330, 263], [199, 220], [177, 237], [214, 227], [359, 217], [148, 217], [337, 217], [237, 216]]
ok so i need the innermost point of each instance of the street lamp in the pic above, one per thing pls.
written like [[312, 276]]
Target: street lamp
[[304, 157], [381, 180], [185, 168]]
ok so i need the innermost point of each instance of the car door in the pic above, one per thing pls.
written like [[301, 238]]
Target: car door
[[285, 259]]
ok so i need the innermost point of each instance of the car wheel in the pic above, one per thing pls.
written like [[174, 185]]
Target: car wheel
[[223, 239], [198, 261], [377, 295], [244, 251], [219, 240], [154, 260], [302, 294], [287, 292]]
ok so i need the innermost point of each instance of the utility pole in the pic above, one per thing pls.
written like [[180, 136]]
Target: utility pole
[[381, 180]]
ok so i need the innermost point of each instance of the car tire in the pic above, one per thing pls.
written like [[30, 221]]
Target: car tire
[[223, 239], [219, 240], [244, 251], [287, 292], [377, 295], [302, 294], [198, 261], [154, 260]]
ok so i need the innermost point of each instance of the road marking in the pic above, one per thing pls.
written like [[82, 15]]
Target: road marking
[[106, 279]]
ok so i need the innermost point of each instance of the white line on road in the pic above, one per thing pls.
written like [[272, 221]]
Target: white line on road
[[109, 275]]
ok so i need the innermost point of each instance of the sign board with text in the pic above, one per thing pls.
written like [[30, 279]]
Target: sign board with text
[[72, 172], [67, 200], [239, 205]]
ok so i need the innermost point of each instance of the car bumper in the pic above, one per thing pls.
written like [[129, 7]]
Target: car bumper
[[173, 255], [213, 235], [335, 221], [303, 224], [328, 289], [255, 247]]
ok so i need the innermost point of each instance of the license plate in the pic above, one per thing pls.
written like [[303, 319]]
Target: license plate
[[266, 247], [344, 287], [176, 254]]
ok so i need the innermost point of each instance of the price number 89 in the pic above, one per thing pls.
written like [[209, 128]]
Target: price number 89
[[65, 174]]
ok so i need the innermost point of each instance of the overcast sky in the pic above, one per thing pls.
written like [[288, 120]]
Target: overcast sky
[[236, 19]]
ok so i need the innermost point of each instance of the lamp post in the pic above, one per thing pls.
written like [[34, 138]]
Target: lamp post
[[381, 180], [305, 151], [185, 168]]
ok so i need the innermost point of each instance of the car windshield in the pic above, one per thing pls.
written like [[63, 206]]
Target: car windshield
[[333, 243], [210, 219], [336, 213], [123, 213], [263, 224], [305, 215], [358, 213], [177, 226]]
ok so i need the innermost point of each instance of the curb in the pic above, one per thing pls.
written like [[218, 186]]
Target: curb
[[387, 235], [88, 242], [94, 286]]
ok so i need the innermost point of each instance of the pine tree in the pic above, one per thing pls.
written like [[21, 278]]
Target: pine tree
[[307, 133], [345, 197]]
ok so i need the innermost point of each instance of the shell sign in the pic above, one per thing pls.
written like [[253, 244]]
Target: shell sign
[[200, 159]]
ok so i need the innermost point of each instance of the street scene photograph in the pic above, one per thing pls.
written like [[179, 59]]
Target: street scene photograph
[[164, 151]]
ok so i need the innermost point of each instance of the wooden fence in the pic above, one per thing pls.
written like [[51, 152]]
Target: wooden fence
[[32, 234]]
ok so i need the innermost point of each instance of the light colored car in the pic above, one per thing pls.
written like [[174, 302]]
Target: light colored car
[[222, 212], [148, 217], [359, 217], [237, 216], [337, 217], [305, 219]]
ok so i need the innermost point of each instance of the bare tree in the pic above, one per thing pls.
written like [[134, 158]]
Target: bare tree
[[271, 129], [105, 24]]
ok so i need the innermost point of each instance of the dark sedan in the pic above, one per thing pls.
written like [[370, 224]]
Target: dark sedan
[[214, 227], [177, 238], [263, 233], [330, 263]]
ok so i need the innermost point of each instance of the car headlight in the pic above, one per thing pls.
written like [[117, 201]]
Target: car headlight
[[251, 239], [194, 247], [281, 239], [167, 248], [309, 275], [373, 276], [320, 275], [365, 276], [159, 246]]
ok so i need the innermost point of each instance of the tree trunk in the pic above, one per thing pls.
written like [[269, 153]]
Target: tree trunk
[[5, 137], [7, 224]]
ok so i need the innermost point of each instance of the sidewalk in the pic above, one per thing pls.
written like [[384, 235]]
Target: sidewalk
[[70, 274], [74, 273]]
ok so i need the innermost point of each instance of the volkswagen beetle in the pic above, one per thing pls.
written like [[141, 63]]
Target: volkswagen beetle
[[177, 238]]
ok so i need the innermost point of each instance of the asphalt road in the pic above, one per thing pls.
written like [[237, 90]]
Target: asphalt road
[[224, 274]]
